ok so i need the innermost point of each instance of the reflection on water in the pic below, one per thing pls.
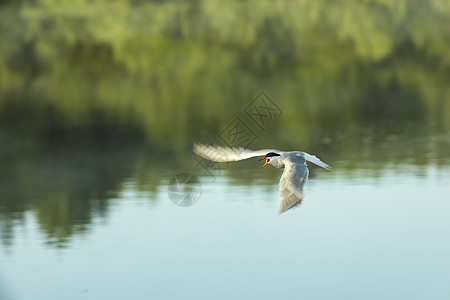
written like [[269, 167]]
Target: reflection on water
[[350, 239], [100, 106], [68, 178]]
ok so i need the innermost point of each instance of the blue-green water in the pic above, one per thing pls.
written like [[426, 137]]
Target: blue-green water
[[351, 238], [101, 102]]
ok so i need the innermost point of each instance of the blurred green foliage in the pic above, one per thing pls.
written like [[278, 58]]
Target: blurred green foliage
[[95, 92], [171, 66]]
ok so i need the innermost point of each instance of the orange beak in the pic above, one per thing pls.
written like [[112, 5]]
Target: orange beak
[[267, 161]]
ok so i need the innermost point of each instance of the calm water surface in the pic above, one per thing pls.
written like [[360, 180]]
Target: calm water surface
[[101, 102], [352, 238]]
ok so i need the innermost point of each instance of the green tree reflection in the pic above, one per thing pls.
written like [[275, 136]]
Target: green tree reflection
[[92, 91]]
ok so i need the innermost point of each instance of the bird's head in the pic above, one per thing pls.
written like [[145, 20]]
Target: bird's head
[[271, 158]]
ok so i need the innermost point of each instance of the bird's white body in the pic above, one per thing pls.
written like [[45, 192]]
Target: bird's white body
[[295, 172]]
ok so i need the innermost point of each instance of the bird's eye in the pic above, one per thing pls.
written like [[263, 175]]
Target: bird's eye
[[268, 160]]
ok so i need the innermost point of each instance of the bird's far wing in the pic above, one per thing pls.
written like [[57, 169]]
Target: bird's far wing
[[225, 154], [294, 177], [314, 159]]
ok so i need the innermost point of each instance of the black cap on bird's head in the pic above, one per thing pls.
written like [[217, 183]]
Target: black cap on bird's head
[[266, 157], [270, 154]]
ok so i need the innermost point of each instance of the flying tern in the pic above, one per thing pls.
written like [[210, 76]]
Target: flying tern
[[295, 172]]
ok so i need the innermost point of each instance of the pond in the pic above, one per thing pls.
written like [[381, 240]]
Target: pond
[[101, 104]]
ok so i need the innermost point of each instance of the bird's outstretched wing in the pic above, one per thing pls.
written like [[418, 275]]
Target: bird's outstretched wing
[[314, 159], [292, 180], [225, 154]]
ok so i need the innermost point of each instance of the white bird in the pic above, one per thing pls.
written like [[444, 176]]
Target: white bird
[[294, 175]]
